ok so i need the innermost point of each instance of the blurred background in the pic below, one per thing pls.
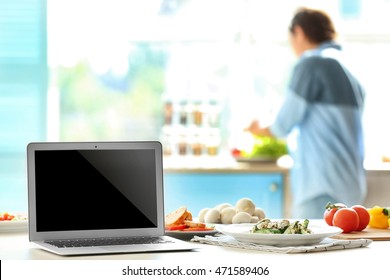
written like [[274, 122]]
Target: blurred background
[[190, 73]]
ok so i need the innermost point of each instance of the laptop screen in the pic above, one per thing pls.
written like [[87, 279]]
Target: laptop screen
[[95, 189]]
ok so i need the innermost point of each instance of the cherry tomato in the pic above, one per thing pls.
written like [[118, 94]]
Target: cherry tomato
[[330, 210], [236, 152], [347, 219], [364, 216]]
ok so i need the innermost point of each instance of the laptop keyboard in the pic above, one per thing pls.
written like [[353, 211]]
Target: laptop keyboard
[[68, 243]]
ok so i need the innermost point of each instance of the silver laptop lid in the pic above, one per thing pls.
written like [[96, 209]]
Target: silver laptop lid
[[95, 189]]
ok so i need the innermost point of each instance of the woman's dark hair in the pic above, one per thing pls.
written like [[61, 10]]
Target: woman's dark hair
[[316, 24]]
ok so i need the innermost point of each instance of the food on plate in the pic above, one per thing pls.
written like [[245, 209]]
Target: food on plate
[[175, 227], [266, 226], [263, 147], [241, 217], [202, 213], [355, 218], [181, 220], [192, 224], [178, 217], [225, 212], [259, 213], [6, 216], [245, 205], [213, 216], [227, 215], [221, 206], [254, 219], [379, 217]]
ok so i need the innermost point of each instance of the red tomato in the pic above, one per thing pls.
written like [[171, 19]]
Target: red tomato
[[328, 215], [236, 152], [364, 216], [347, 219], [330, 210]]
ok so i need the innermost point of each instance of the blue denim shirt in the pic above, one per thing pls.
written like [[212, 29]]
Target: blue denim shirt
[[324, 104]]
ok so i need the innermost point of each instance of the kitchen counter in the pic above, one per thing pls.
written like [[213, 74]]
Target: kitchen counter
[[371, 165], [360, 262], [222, 164]]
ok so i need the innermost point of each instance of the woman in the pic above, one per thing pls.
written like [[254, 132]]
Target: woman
[[323, 105]]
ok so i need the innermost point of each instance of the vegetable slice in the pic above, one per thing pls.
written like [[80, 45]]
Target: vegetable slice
[[198, 229], [176, 227]]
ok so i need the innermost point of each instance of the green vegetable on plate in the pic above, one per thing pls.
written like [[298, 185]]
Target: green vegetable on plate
[[266, 226], [267, 147]]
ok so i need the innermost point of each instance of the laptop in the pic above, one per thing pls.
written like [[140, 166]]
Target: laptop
[[97, 198]]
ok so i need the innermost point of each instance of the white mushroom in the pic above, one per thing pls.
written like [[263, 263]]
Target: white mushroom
[[227, 214], [241, 217], [254, 219], [212, 216], [245, 205], [221, 206], [202, 214], [259, 212]]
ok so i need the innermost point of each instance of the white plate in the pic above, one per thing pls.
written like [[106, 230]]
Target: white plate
[[13, 226], [241, 232], [187, 235]]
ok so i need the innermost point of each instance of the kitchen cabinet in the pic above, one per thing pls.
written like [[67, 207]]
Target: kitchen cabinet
[[198, 189]]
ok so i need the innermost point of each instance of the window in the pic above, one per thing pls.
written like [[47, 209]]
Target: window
[[23, 87], [114, 76]]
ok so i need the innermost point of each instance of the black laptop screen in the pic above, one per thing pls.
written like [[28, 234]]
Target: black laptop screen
[[95, 189]]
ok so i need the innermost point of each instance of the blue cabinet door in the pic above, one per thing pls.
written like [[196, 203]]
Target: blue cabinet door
[[206, 190]]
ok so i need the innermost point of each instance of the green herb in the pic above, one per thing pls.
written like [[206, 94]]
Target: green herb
[[266, 226]]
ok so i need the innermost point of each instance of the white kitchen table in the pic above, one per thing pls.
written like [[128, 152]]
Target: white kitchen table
[[360, 262]]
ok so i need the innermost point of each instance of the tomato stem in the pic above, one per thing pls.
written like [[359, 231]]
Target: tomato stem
[[330, 205]]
